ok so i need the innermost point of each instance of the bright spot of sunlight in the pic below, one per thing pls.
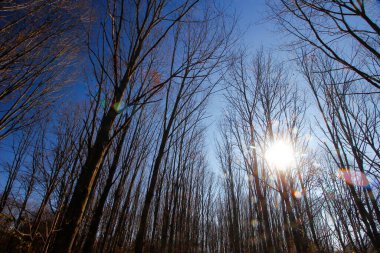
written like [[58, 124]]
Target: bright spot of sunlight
[[280, 155]]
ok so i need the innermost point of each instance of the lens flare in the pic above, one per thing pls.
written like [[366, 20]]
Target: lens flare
[[254, 223], [353, 177], [298, 194], [103, 103], [119, 107]]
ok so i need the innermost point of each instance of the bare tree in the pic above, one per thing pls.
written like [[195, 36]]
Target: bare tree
[[20, 150], [347, 120], [263, 109], [125, 51], [331, 27], [39, 41], [204, 50]]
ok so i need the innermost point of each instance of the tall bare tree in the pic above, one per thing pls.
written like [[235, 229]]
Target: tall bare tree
[[39, 42], [332, 27], [347, 123], [131, 34]]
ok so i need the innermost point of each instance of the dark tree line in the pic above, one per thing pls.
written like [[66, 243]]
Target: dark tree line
[[127, 168]]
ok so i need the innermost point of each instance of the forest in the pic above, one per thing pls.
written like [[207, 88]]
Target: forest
[[154, 126]]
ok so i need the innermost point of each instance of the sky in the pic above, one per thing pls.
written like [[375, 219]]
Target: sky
[[258, 32]]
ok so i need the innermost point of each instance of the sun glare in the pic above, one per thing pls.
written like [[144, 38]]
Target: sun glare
[[280, 155]]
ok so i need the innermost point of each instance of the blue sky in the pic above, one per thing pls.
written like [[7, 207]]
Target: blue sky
[[258, 32]]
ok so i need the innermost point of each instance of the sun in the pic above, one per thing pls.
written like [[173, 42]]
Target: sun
[[280, 155]]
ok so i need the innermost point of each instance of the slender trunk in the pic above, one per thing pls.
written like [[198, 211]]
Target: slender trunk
[[66, 235], [139, 244]]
